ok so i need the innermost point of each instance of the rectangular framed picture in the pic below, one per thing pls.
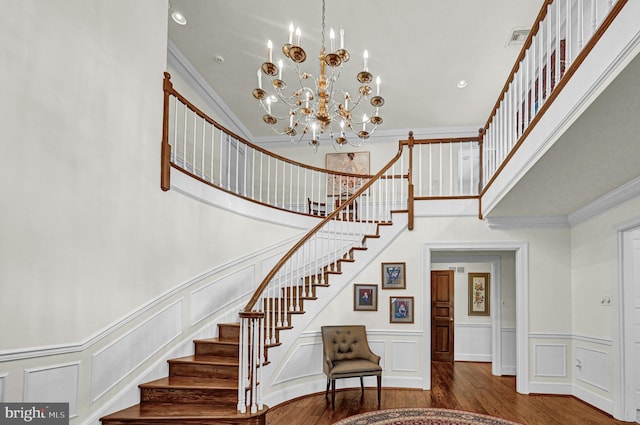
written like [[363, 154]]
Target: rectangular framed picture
[[393, 276], [401, 310], [347, 162], [479, 294], [365, 297]]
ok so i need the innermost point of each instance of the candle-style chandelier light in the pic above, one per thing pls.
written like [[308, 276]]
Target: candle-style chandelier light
[[315, 106]]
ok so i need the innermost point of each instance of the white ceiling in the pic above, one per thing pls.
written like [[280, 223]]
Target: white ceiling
[[420, 49]]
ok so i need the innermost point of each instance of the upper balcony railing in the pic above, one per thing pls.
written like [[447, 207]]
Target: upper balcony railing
[[564, 33], [200, 147]]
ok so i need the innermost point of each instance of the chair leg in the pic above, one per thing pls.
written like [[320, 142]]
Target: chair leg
[[326, 393], [333, 393], [361, 385], [379, 388]]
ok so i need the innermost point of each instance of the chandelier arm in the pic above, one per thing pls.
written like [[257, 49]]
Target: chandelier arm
[[315, 105]]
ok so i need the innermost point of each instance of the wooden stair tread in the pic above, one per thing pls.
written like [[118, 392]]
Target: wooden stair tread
[[177, 412], [216, 340], [183, 382], [207, 359]]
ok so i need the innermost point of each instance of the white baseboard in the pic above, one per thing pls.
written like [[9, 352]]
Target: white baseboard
[[550, 388], [596, 400], [466, 357]]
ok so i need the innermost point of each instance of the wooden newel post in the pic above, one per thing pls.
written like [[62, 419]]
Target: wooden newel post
[[410, 181], [165, 151]]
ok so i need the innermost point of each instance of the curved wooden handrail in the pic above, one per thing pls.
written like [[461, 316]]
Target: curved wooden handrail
[[168, 88], [265, 282]]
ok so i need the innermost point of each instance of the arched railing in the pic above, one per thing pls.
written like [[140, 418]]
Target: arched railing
[[198, 146]]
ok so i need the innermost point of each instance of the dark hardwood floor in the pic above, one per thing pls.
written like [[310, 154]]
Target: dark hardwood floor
[[462, 386]]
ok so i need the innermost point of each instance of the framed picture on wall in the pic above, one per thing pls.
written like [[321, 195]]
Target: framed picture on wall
[[347, 162], [365, 297], [401, 310], [479, 294], [393, 276]]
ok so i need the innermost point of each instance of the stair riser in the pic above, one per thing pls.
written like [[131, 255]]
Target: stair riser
[[214, 349], [221, 397], [229, 332], [203, 370]]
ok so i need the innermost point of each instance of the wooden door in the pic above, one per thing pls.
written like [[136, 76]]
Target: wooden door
[[442, 315]]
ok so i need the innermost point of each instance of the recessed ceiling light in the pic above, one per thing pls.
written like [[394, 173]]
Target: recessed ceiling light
[[462, 84], [178, 18]]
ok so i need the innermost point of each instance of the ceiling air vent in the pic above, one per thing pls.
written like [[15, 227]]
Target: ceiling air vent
[[518, 36]]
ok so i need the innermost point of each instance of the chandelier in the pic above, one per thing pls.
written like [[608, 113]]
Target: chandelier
[[315, 106]]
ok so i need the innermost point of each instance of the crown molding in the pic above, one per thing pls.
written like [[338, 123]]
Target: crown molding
[[606, 202], [616, 197]]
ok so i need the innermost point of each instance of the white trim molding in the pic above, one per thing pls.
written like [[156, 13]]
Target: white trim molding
[[624, 193], [521, 250], [510, 223]]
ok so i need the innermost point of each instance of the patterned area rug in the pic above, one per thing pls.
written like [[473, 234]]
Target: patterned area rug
[[417, 416]]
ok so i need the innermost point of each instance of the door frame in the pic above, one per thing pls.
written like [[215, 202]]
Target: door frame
[[521, 250], [624, 407], [495, 295]]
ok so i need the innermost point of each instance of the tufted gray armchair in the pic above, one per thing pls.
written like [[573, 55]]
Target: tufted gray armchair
[[347, 355]]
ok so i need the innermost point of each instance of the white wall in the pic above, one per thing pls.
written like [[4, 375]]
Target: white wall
[[90, 247], [593, 265], [549, 273]]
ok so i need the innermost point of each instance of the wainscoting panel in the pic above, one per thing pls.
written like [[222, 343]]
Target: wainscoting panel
[[305, 361], [405, 356], [550, 360], [55, 383], [592, 367], [378, 348], [121, 357], [472, 342], [212, 297]]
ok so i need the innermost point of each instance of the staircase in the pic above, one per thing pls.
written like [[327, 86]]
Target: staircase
[[201, 389]]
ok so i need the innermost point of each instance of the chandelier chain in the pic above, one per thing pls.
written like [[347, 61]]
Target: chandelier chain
[[323, 11]]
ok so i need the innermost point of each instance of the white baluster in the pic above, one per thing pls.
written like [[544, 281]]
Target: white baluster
[[213, 148], [547, 88], [260, 368], [174, 145], [236, 189], [420, 192], [242, 364], [580, 25], [569, 41], [254, 363], [268, 180], [473, 182]]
